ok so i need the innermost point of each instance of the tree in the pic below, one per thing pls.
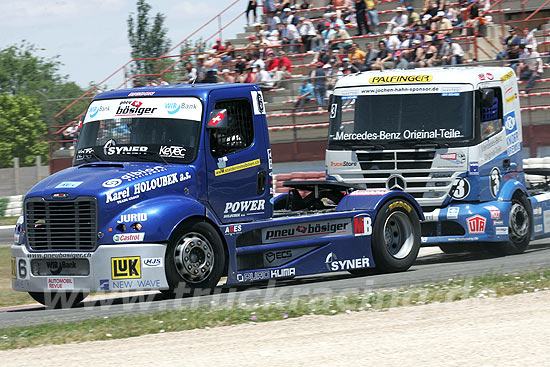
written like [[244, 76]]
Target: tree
[[147, 40], [22, 130]]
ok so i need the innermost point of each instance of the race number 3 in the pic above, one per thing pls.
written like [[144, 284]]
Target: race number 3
[[460, 189], [362, 226]]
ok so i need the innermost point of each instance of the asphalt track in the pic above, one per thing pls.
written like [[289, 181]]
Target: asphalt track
[[431, 268]]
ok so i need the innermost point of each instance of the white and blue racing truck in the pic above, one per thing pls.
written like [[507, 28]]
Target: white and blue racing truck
[[452, 139]]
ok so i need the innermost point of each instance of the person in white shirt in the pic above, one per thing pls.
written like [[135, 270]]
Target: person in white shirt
[[398, 22]]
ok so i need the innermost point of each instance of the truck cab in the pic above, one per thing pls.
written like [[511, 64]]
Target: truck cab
[[171, 189], [451, 137]]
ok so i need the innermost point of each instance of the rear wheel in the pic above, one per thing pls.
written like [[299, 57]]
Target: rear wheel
[[195, 259], [58, 299], [395, 237], [519, 229]]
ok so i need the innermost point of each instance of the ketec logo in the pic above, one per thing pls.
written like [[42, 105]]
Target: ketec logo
[[476, 224]]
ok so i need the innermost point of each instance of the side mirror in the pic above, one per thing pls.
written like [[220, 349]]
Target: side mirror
[[487, 98], [218, 119]]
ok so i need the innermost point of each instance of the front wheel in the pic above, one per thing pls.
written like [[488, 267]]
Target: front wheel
[[58, 299], [195, 259], [395, 237], [519, 229]]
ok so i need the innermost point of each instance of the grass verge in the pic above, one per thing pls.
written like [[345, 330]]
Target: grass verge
[[491, 285], [3, 205], [8, 221]]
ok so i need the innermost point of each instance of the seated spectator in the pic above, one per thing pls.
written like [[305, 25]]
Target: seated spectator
[[69, 135], [529, 38], [340, 38], [413, 19], [398, 22], [201, 69], [227, 77], [401, 61], [272, 20], [276, 70], [430, 52], [255, 60], [229, 53], [356, 66], [417, 55], [441, 24], [260, 33], [455, 17], [356, 52], [426, 24], [289, 35], [287, 16], [384, 58], [274, 39], [305, 93], [218, 47], [263, 79], [211, 67], [370, 56], [190, 73], [333, 74], [285, 62], [513, 56], [531, 67], [457, 53]]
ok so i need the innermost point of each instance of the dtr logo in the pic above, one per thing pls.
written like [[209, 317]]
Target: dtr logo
[[172, 107]]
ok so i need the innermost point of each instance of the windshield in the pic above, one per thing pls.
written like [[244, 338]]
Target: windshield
[[392, 120], [147, 129]]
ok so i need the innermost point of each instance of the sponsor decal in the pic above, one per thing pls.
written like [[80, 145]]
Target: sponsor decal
[[60, 283], [374, 192], [457, 158], [343, 164], [432, 216], [269, 160], [173, 107], [460, 189], [134, 175], [506, 76], [104, 284], [333, 110], [68, 185], [283, 273], [237, 167], [406, 134], [125, 194], [452, 212], [94, 110], [151, 262], [546, 220], [110, 148], [538, 228], [511, 98], [172, 151], [84, 153], [312, 229], [537, 210], [494, 181], [231, 230], [474, 168], [126, 267], [131, 218], [135, 284], [253, 276], [513, 142], [63, 255], [454, 94], [216, 119], [114, 182], [448, 156], [140, 94], [542, 197], [481, 76], [500, 231], [333, 264], [424, 239], [362, 225], [258, 102], [128, 237], [133, 108], [400, 204], [401, 79], [489, 76], [498, 223], [222, 162], [243, 208], [277, 255], [495, 212], [476, 224]]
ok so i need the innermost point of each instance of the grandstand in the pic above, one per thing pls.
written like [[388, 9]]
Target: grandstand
[[301, 136]]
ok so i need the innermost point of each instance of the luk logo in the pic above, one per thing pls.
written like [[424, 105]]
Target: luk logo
[[126, 267], [476, 224], [172, 107]]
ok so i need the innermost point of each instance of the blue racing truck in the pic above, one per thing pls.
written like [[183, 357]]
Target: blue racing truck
[[171, 188], [450, 137]]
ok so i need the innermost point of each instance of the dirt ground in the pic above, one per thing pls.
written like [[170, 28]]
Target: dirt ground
[[509, 331]]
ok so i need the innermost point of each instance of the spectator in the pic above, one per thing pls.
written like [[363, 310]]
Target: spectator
[[276, 70], [287, 16], [260, 34], [218, 47], [305, 4], [251, 8], [201, 69], [373, 15], [530, 67], [227, 77], [289, 35], [512, 39], [361, 17], [253, 43], [457, 53], [255, 60], [370, 56], [529, 38], [426, 22], [455, 17], [190, 72], [401, 61], [356, 66], [441, 24], [384, 57], [413, 19], [263, 79], [69, 135], [334, 19], [319, 78], [340, 38], [269, 6], [247, 76], [430, 53], [211, 67], [305, 92], [285, 62], [398, 22], [229, 53], [417, 55], [274, 38], [307, 33], [272, 20], [356, 52], [240, 65], [513, 56]]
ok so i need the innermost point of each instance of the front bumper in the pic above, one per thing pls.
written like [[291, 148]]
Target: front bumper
[[111, 268]]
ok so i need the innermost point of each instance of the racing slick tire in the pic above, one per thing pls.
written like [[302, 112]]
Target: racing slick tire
[[395, 238], [58, 299], [195, 259], [520, 227]]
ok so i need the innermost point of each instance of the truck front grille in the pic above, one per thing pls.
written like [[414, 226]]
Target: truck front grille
[[61, 225]]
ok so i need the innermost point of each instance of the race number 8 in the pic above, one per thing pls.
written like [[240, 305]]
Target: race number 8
[[333, 109]]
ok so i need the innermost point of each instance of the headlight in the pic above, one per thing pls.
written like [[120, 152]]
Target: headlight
[[19, 229]]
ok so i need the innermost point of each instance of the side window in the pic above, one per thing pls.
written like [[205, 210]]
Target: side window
[[491, 117], [239, 134]]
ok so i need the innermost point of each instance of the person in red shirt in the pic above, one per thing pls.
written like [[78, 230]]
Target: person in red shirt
[[272, 63], [218, 46], [285, 62]]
